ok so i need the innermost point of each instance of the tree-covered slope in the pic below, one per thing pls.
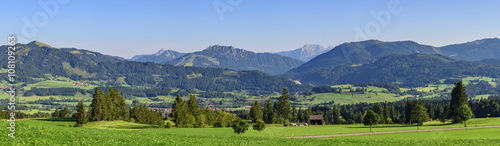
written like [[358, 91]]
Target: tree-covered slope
[[360, 52], [237, 59], [407, 70], [475, 50], [37, 61]]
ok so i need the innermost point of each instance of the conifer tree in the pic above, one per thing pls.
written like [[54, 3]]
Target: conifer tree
[[283, 109], [65, 112], [387, 113], [56, 113], [256, 112], [308, 113], [458, 98], [176, 107], [300, 117], [193, 107], [80, 116], [98, 107], [268, 113], [336, 114]]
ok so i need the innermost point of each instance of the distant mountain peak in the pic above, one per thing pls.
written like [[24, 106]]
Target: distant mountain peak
[[161, 56], [40, 44], [306, 52]]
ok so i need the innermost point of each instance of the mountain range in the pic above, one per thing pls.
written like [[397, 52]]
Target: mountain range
[[238, 59], [414, 70], [226, 68], [369, 51], [38, 62]]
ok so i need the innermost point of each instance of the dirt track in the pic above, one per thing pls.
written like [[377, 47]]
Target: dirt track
[[390, 132]]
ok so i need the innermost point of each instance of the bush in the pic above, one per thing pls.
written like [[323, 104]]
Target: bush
[[286, 123], [388, 121], [169, 124], [350, 121]]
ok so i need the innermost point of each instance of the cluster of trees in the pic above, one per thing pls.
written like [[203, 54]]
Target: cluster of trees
[[129, 92], [279, 112], [111, 106], [62, 113], [189, 114], [54, 91], [142, 114]]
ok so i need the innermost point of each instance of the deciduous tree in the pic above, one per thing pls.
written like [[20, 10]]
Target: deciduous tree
[[371, 118], [465, 114]]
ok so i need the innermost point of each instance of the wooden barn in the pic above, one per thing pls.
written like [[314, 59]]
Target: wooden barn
[[316, 119]]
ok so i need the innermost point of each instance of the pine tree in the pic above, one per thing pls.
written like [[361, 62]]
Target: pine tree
[[256, 112], [134, 112], [336, 115], [209, 115], [176, 108], [308, 113], [431, 111], [80, 116], [65, 112], [268, 113], [294, 114], [407, 113], [284, 106], [377, 108], [98, 107], [394, 114], [387, 113], [193, 107], [56, 113], [300, 116], [458, 98]]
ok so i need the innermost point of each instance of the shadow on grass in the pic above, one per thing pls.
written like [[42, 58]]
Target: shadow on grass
[[130, 127], [70, 119], [386, 126]]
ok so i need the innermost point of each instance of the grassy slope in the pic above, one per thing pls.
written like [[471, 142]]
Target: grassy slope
[[54, 132]]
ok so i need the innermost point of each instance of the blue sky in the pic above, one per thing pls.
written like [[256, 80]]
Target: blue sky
[[128, 28]]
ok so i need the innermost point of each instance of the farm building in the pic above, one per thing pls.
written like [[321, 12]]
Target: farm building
[[316, 119]]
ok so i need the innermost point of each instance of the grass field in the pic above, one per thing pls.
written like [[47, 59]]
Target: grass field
[[54, 132]]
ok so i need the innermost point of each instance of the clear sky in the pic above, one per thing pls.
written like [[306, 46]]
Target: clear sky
[[127, 28]]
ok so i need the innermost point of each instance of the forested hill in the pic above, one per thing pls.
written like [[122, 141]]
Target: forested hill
[[359, 52], [159, 57], [371, 50], [406, 70], [238, 59], [39, 61], [474, 51]]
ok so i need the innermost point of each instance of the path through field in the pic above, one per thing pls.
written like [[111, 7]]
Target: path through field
[[390, 132]]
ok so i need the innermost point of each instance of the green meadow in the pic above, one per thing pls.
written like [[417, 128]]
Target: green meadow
[[55, 131]]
